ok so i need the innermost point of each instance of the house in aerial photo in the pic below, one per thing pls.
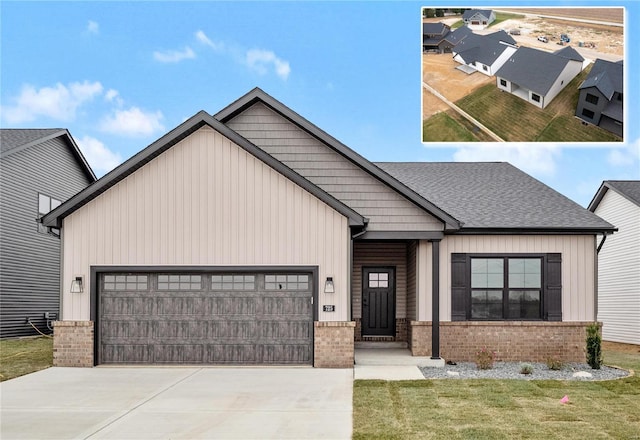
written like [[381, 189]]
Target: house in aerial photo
[[252, 236], [601, 96], [538, 76], [478, 19], [40, 169], [618, 202], [483, 53]]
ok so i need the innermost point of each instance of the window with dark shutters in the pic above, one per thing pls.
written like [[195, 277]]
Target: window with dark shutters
[[514, 290]]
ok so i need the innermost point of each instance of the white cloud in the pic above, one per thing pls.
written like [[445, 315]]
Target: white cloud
[[93, 27], [101, 158], [59, 102], [262, 60], [625, 156], [133, 122], [537, 159], [202, 37], [113, 95], [174, 56]]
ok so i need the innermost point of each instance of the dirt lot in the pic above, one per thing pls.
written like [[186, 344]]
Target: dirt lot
[[439, 71]]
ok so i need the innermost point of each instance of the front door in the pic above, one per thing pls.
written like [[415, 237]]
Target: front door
[[378, 301]]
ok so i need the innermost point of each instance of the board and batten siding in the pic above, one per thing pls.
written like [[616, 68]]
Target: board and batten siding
[[619, 270], [380, 254], [386, 209], [30, 260], [206, 202], [578, 268]]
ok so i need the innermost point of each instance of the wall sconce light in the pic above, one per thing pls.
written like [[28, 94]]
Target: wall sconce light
[[328, 285], [77, 285]]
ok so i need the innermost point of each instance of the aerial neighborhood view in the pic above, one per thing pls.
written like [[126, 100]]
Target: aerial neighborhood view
[[486, 71]]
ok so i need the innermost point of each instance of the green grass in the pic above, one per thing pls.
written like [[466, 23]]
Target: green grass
[[501, 16], [23, 356], [457, 24], [504, 113], [443, 128], [500, 409]]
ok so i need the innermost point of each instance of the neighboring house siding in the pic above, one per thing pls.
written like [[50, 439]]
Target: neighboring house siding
[[386, 209], [387, 254], [595, 108], [30, 260], [619, 270], [207, 202], [578, 268]]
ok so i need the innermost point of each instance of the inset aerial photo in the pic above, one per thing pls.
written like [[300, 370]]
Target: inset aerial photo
[[522, 75]]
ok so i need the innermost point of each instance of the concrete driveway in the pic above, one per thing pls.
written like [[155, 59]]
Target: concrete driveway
[[178, 403]]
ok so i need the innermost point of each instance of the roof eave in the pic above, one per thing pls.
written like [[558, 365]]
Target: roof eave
[[258, 95], [539, 231]]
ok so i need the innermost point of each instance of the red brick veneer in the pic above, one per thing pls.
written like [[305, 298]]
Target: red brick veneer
[[333, 344], [73, 344]]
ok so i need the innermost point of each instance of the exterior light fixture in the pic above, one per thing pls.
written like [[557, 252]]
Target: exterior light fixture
[[77, 285], [328, 285]]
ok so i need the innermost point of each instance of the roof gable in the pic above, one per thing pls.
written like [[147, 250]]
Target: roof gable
[[469, 14], [54, 218], [629, 189], [606, 76], [14, 140], [258, 96], [495, 197]]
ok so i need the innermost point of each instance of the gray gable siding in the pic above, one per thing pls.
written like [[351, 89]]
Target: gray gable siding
[[386, 209], [30, 260]]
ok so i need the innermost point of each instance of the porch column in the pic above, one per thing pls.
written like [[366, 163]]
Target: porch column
[[435, 299]]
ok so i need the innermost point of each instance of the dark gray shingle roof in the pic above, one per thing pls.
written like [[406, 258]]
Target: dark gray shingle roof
[[629, 189], [606, 76], [16, 137], [480, 48], [471, 12], [458, 35], [533, 69], [493, 196], [501, 35], [434, 28], [569, 53]]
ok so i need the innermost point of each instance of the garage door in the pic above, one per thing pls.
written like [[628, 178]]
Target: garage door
[[205, 318]]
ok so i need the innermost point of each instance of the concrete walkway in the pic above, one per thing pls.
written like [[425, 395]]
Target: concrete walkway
[[390, 364], [178, 403]]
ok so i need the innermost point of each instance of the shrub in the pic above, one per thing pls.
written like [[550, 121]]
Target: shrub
[[555, 364], [594, 346], [485, 358], [526, 368]]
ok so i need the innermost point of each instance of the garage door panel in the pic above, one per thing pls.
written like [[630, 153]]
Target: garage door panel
[[232, 319]]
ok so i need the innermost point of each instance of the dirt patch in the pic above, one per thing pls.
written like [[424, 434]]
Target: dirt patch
[[611, 15], [439, 71], [622, 348]]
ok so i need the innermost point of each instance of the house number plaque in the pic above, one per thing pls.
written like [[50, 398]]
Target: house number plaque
[[329, 308]]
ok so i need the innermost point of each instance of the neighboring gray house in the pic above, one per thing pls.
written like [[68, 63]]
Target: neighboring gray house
[[40, 169], [601, 96], [484, 53], [618, 202], [478, 19], [433, 37], [538, 76], [254, 237]]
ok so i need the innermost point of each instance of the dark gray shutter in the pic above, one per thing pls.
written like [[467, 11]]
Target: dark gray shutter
[[459, 287], [553, 292]]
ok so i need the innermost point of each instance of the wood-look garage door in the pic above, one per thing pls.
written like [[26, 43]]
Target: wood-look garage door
[[205, 318]]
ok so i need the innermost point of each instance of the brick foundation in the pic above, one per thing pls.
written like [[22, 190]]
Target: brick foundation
[[333, 344], [401, 335], [73, 344], [512, 340]]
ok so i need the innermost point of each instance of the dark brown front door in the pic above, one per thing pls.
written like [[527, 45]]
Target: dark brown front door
[[378, 301]]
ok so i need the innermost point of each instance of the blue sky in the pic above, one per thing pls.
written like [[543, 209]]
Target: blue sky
[[119, 75]]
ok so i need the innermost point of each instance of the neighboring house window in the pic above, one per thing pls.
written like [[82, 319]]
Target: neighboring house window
[[45, 205], [503, 83], [592, 99], [484, 68], [535, 97], [506, 287], [619, 96], [588, 113]]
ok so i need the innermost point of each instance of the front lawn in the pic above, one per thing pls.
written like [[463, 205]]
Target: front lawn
[[502, 16], [23, 356], [500, 409]]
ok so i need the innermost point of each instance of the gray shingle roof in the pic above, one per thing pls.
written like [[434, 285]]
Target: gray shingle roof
[[480, 48], [569, 53], [471, 12], [16, 137], [458, 35], [606, 76], [493, 196], [434, 28], [501, 35], [533, 69]]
